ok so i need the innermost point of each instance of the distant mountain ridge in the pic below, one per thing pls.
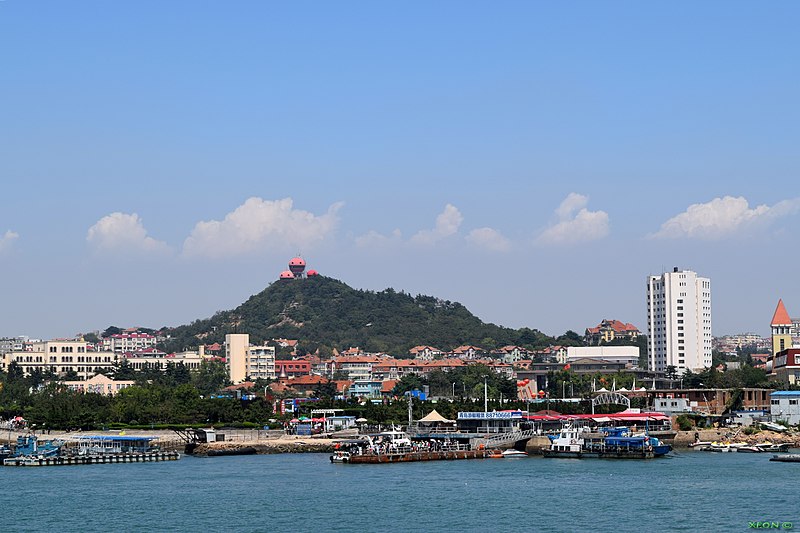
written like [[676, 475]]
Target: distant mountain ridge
[[326, 313]]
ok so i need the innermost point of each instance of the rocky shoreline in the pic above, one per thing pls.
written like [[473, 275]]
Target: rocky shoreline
[[685, 438], [264, 447]]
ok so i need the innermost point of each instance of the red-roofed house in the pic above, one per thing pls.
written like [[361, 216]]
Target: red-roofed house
[[445, 365], [512, 354], [305, 384], [356, 366], [497, 366], [608, 330], [285, 343], [467, 352], [425, 353], [394, 368], [387, 386]]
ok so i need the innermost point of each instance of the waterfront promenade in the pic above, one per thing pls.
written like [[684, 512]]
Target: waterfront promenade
[[272, 442]]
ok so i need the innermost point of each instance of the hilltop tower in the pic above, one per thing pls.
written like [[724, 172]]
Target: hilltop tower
[[781, 327], [297, 265]]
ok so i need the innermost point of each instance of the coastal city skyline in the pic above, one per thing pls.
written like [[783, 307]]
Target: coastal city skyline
[[534, 163]]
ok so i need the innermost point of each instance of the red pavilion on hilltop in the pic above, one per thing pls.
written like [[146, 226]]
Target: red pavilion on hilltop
[[297, 267]]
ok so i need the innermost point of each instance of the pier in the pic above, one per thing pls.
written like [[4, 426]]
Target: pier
[[92, 459], [449, 455]]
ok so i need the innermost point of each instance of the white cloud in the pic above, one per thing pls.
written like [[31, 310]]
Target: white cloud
[[722, 217], [257, 224], [7, 240], [575, 223], [447, 223], [490, 239], [373, 239], [121, 232]]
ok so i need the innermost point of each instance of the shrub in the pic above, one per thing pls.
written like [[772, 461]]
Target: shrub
[[685, 423]]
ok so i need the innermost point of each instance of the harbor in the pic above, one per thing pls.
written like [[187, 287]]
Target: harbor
[[473, 488]]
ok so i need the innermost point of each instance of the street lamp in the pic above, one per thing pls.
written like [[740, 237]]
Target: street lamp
[[454, 389]]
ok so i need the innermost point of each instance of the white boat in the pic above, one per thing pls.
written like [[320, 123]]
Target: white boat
[[511, 452], [568, 443], [774, 427]]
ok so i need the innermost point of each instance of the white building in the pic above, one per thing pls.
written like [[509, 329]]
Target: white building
[[246, 362], [679, 321], [627, 355], [260, 362], [129, 342], [785, 405], [150, 359], [61, 356]]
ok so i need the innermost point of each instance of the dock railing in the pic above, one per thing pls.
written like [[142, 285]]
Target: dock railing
[[506, 438]]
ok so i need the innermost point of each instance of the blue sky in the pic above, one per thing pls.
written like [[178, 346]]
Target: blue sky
[[534, 161]]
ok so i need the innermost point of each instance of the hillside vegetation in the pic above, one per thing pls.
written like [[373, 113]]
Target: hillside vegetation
[[325, 313]]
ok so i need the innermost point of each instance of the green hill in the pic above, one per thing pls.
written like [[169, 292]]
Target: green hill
[[325, 313]]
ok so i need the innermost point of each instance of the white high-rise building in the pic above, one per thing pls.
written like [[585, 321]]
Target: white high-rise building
[[679, 321]]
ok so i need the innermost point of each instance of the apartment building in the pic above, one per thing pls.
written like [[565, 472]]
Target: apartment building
[[679, 321]]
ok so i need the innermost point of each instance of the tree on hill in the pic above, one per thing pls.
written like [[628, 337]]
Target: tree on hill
[[328, 314], [111, 330]]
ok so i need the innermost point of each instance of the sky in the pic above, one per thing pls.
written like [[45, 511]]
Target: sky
[[535, 161]]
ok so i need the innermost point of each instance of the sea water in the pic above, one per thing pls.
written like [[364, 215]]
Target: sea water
[[689, 491]]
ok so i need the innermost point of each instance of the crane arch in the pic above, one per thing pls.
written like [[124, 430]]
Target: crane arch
[[611, 398]]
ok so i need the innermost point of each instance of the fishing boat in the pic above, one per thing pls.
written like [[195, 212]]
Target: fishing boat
[[31, 445]]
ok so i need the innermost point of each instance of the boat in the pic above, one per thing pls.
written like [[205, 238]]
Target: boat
[[511, 452], [726, 446], [770, 447], [772, 426], [609, 443], [750, 449], [5, 452], [786, 458], [31, 445]]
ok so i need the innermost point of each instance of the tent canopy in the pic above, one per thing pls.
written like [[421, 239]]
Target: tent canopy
[[434, 416]]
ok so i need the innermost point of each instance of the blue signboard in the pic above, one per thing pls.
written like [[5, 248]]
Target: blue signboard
[[494, 415]]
